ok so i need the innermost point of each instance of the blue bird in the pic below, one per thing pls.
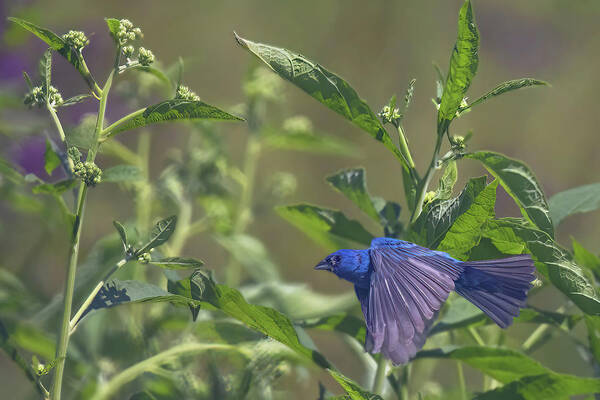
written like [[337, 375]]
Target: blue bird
[[401, 287]]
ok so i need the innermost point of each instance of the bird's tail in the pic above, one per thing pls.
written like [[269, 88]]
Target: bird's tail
[[498, 287]]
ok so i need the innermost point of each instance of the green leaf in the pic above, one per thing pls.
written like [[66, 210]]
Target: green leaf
[[550, 386], [54, 188], [309, 142], [447, 182], [353, 389], [516, 236], [507, 87], [572, 201], [122, 233], [520, 183], [113, 27], [352, 184], [83, 134], [329, 228], [177, 263], [345, 323], [465, 231], [157, 73], [586, 259], [252, 255], [74, 100], [28, 80], [46, 71], [592, 324], [170, 110], [324, 86], [161, 232], [51, 160], [57, 44], [463, 66], [122, 173], [438, 217]]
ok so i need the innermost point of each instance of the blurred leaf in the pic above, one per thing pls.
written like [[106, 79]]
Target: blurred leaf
[[122, 233], [345, 323], [507, 87], [572, 201], [9, 172], [516, 236], [586, 259], [122, 173], [310, 142], [352, 183], [83, 134], [551, 386], [157, 73], [465, 231], [142, 396], [326, 87], [113, 27], [252, 255], [51, 160], [353, 389], [28, 80], [74, 100], [520, 183], [25, 336], [463, 66], [167, 111], [55, 188], [447, 182], [329, 228], [177, 263], [46, 71], [59, 45], [438, 217], [592, 324], [161, 232]]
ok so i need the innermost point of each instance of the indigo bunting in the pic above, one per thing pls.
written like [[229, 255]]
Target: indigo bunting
[[401, 286]]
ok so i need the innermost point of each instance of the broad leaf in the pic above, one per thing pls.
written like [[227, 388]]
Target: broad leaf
[[170, 110], [520, 183], [122, 173], [463, 66], [309, 142], [353, 389], [447, 182], [345, 323], [177, 263], [572, 201], [329, 228], [113, 27], [55, 188], [83, 134], [586, 259], [161, 232], [352, 183], [323, 85], [507, 87], [122, 233], [51, 160], [57, 44]]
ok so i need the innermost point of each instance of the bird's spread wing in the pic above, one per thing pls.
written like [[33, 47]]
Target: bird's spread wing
[[408, 285]]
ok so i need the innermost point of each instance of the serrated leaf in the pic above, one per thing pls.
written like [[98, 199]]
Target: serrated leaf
[[352, 184], [507, 86], [329, 228], [122, 233], [324, 86], [122, 173], [74, 100], [438, 217], [309, 142], [57, 44], [51, 159], [521, 184], [463, 67], [586, 259], [465, 231], [161, 232], [572, 201], [171, 110], [353, 389], [177, 263], [54, 188], [345, 323]]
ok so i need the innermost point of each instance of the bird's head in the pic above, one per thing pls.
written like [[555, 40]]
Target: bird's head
[[344, 263]]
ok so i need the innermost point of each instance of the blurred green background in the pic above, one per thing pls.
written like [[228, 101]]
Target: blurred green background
[[377, 46]]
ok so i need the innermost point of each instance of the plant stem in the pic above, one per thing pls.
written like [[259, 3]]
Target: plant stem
[[59, 127], [461, 381], [63, 341], [473, 332], [108, 390], [379, 380], [424, 184], [106, 133], [92, 295], [537, 334]]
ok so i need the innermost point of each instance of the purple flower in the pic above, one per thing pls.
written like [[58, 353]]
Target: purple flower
[[29, 155]]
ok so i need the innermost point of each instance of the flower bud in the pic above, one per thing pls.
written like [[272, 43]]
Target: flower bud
[[185, 93], [76, 39], [128, 51], [145, 57]]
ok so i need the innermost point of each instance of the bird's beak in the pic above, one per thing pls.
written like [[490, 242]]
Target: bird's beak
[[323, 266]]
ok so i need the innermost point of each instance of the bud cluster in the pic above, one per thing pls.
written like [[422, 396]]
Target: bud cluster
[[185, 93], [145, 57], [145, 258], [37, 97], [88, 172], [76, 39], [390, 115], [127, 32]]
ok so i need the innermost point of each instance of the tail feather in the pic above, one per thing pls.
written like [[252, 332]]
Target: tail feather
[[498, 287]]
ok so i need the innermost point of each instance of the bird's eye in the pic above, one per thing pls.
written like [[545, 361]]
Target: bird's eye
[[335, 260]]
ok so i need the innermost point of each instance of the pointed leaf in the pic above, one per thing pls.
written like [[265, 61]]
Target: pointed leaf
[[122, 233], [572, 201], [507, 87], [521, 184], [463, 66], [160, 234], [74, 100], [323, 85], [46, 71], [329, 228], [177, 263], [51, 159], [113, 27], [352, 184], [171, 110], [353, 389]]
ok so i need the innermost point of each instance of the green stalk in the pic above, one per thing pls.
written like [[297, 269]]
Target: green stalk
[[380, 375], [63, 341], [461, 381], [106, 133], [424, 184]]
